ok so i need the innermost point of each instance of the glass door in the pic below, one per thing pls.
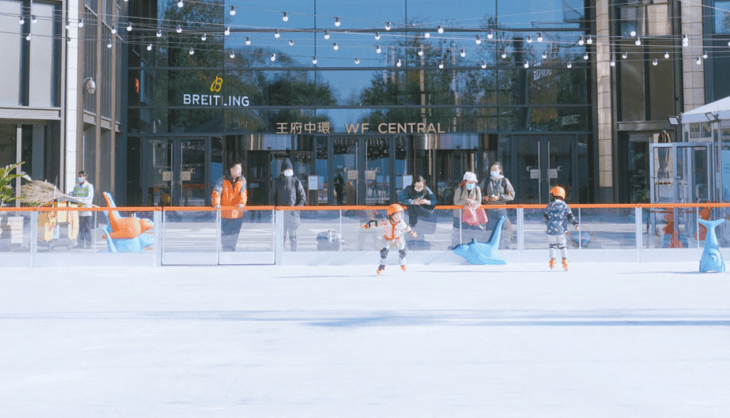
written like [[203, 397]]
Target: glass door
[[158, 174], [178, 172], [194, 184], [347, 162], [450, 168], [544, 162], [377, 171]]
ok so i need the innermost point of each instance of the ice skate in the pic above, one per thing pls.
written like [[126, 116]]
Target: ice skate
[[381, 269], [565, 264], [552, 263], [403, 268]]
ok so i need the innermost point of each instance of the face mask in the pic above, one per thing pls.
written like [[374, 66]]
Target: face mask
[[81, 180], [469, 186], [494, 174], [288, 173], [419, 189]]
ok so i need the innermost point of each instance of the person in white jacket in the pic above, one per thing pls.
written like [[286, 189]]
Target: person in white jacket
[[393, 230], [84, 191]]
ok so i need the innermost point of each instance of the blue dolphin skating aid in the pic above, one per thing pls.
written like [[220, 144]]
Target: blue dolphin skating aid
[[483, 252], [711, 258]]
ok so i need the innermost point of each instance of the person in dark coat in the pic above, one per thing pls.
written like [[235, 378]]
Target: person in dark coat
[[339, 187], [287, 190], [419, 200]]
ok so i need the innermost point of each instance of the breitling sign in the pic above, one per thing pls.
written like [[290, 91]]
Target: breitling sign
[[215, 99]]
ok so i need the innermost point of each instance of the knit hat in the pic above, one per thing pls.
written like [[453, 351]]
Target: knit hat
[[286, 165], [469, 176]]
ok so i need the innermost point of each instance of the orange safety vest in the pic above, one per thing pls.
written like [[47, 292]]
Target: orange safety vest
[[227, 194]]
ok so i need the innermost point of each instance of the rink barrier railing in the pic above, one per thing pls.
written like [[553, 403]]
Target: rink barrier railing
[[154, 257]]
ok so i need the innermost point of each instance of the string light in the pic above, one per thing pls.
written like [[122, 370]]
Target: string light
[[204, 37], [180, 4], [273, 57], [685, 40], [129, 27], [233, 11], [441, 29], [478, 40], [638, 41], [285, 18], [336, 47], [666, 55], [655, 62], [357, 60], [149, 47], [314, 60], [68, 24], [81, 23], [114, 30], [441, 65], [21, 20], [585, 56], [463, 53], [33, 19], [28, 38], [625, 55], [699, 61], [490, 34], [232, 54], [291, 42], [277, 34], [544, 55], [539, 37], [377, 49], [192, 51], [504, 54], [337, 21], [527, 64], [387, 25], [704, 54], [529, 39], [110, 44], [326, 34], [420, 52], [248, 40], [613, 63], [398, 64], [227, 31], [377, 36], [179, 29], [570, 64], [426, 35], [484, 65], [159, 33], [589, 40], [632, 33], [580, 41]]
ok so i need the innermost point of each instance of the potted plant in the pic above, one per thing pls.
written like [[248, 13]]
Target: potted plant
[[11, 226]]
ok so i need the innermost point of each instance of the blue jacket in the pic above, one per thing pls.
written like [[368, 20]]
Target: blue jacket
[[410, 195], [557, 215]]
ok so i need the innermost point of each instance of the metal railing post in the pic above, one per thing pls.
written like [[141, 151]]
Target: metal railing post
[[461, 238], [33, 236], [639, 236], [339, 244], [697, 226], [580, 231], [156, 242], [279, 237], [218, 235], [520, 231]]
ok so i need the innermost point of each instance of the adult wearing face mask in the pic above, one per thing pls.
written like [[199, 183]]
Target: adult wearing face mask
[[468, 193], [287, 190], [230, 190], [419, 200], [84, 191], [498, 191]]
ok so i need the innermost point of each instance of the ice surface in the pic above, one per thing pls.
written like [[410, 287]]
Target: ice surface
[[608, 340]]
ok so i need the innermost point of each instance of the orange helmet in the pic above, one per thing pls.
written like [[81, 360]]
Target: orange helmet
[[558, 192], [394, 208]]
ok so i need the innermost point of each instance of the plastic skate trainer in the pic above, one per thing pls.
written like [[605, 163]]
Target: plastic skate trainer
[[127, 234], [483, 252], [711, 258]]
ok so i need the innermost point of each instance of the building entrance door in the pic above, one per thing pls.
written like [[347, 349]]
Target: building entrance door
[[450, 168], [362, 169], [177, 172], [544, 162]]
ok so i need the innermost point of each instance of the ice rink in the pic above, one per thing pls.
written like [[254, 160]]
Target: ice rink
[[602, 340]]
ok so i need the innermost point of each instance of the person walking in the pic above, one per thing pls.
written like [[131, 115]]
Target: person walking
[[84, 191], [230, 190], [467, 195], [419, 200], [287, 190], [556, 216], [498, 190]]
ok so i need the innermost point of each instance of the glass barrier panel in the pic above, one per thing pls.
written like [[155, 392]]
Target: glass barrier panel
[[535, 230], [307, 230], [722, 231], [255, 243], [663, 232], [191, 237], [603, 228], [14, 232]]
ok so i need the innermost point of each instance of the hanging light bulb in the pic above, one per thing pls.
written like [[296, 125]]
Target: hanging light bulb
[[387, 25], [529, 39], [490, 34], [377, 49], [504, 54], [377, 36], [291, 42], [441, 29], [114, 30], [81, 23], [149, 47], [655, 62], [613, 63], [277, 34], [179, 29], [68, 24], [336, 47], [285, 18], [337, 21], [21, 20], [192, 51], [159, 33], [398, 64], [420, 52], [666, 55], [232, 54], [638, 41], [527, 64], [539, 37], [248, 40], [441, 65], [704, 54], [33, 19], [544, 55], [233, 11], [632, 33], [589, 41], [227, 31], [585, 56], [28, 38], [462, 53], [699, 61], [204, 37], [580, 41], [478, 40], [129, 27], [180, 3], [326, 34], [273, 57], [484, 65], [110, 44], [68, 39], [357, 60], [314, 60], [625, 55], [685, 40], [570, 64], [426, 35]]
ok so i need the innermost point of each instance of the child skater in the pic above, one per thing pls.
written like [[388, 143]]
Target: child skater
[[557, 215], [393, 229]]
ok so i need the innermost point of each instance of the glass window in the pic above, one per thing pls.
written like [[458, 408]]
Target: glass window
[[631, 88], [10, 39], [694, 129], [661, 82], [721, 17], [8, 144]]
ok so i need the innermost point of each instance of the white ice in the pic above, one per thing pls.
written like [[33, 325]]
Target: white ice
[[602, 340]]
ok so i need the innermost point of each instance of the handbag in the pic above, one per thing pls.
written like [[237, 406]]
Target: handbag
[[474, 215]]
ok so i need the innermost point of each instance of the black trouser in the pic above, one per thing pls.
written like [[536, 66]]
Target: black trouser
[[414, 211], [229, 233], [84, 231], [292, 232]]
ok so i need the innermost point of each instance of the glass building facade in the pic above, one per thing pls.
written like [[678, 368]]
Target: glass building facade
[[374, 91]]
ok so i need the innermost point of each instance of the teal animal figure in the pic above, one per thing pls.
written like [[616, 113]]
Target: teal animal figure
[[711, 258], [483, 252]]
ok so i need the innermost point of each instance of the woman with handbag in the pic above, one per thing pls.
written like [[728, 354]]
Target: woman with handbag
[[470, 218], [498, 190]]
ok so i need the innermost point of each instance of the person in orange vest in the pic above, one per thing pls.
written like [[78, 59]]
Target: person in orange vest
[[231, 191], [393, 230]]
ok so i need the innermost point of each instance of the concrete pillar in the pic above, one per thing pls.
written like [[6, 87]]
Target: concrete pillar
[[603, 96], [73, 102], [693, 74]]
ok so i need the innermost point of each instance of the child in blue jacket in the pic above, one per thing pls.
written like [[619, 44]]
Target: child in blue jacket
[[557, 215]]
